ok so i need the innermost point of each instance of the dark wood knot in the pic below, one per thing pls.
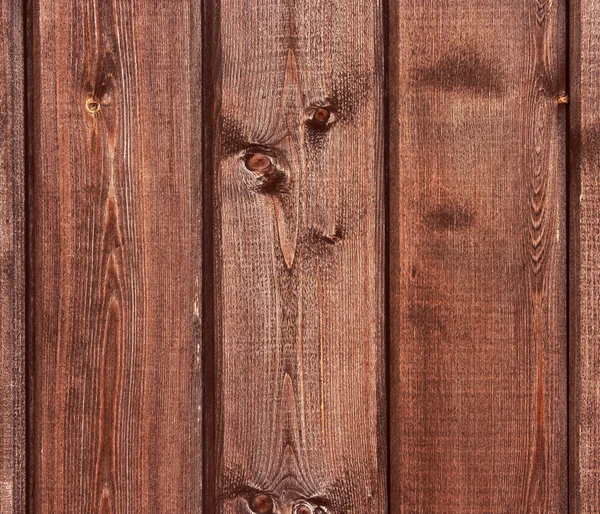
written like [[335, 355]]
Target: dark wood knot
[[259, 163], [267, 166], [329, 239], [320, 116], [261, 504]]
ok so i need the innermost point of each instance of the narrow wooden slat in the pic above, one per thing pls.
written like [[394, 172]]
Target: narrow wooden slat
[[12, 260], [477, 257], [116, 424], [298, 195], [584, 258]]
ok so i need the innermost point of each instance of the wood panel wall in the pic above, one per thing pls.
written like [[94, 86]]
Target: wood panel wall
[[299, 256], [477, 257], [298, 252], [115, 198]]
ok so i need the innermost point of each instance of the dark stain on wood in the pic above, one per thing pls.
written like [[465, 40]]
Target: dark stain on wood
[[589, 144], [448, 216], [426, 319], [350, 90], [462, 70], [477, 188], [233, 137]]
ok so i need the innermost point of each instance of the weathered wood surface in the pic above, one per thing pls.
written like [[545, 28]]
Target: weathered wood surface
[[116, 416], [12, 260], [584, 258], [299, 236], [293, 288], [477, 257]]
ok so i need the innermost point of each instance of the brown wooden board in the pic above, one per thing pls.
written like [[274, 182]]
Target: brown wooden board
[[477, 257], [297, 159], [12, 259], [584, 258], [116, 346]]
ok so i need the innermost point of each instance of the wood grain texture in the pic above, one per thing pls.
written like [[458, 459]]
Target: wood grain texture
[[12, 260], [584, 258], [477, 257], [299, 235], [117, 421]]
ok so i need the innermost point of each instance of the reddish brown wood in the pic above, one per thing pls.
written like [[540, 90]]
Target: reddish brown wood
[[299, 236], [12, 260], [277, 278], [584, 258], [116, 425], [477, 256]]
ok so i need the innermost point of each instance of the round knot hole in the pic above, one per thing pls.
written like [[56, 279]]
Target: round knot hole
[[259, 163], [321, 115], [261, 504], [92, 106]]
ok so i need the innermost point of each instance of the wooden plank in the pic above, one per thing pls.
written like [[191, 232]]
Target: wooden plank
[[477, 257], [298, 164], [12, 260], [584, 258], [117, 421]]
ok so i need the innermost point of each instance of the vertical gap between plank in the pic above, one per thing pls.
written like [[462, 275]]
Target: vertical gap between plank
[[568, 244], [210, 136], [573, 192], [386, 243], [29, 353]]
